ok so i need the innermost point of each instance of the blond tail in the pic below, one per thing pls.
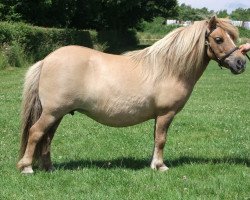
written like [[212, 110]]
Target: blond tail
[[31, 106]]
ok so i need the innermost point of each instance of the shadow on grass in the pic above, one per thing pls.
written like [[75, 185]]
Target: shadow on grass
[[127, 163], [137, 164]]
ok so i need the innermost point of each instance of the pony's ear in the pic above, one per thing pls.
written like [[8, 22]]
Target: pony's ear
[[212, 23]]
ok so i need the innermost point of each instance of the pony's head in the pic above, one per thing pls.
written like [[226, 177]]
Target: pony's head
[[220, 40]]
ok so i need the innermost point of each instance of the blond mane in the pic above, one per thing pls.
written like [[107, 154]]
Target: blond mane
[[181, 52]]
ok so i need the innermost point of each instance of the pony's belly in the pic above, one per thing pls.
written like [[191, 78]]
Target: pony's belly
[[121, 120], [116, 117]]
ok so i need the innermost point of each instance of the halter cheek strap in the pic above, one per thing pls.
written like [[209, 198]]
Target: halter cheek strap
[[220, 60]]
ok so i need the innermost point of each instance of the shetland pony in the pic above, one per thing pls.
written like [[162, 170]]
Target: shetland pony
[[121, 90]]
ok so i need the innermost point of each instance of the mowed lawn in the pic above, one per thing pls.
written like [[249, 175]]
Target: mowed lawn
[[208, 149]]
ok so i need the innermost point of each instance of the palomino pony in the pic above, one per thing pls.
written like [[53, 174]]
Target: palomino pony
[[121, 90]]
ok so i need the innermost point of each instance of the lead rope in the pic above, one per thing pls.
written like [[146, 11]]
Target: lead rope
[[248, 57]]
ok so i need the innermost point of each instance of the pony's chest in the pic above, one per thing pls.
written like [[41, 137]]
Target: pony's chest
[[172, 96]]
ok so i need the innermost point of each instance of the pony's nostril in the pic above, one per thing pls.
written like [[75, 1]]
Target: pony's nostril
[[239, 62]]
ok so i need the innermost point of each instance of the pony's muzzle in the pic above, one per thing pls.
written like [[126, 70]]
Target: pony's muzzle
[[237, 65]]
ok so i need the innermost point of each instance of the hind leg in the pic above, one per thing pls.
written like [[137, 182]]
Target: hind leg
[[36, 132], [46, 162]]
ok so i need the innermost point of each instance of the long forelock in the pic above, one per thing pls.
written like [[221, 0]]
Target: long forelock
[[226, 25]]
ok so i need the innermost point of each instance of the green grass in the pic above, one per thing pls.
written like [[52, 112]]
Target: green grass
[[208, 149]]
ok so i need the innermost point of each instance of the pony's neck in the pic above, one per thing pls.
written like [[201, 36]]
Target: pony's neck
[[180, 54], [198, 73]]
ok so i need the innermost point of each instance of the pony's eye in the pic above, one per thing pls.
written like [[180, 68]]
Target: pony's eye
[[219, 40]]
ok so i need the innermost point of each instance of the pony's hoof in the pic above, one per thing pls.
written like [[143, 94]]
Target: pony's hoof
[[47, 167], [163, 168], [159, 167], [50, 169], [27, 170]]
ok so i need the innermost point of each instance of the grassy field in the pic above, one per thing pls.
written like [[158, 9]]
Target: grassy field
[[208, 149]]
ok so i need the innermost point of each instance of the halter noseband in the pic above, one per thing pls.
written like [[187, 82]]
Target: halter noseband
[[228, 53]]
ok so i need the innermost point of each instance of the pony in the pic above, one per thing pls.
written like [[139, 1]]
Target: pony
[[121, 90]]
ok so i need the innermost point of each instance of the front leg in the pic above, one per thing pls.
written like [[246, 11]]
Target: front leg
[[161, 126]]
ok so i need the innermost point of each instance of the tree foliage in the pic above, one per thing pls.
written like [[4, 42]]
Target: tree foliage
[[241, 14], [186, 12], [8, 10], [222, 14], [104, 14], [82, 14]]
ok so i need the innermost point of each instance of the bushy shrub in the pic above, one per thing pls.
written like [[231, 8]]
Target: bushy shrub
[[37, 42], [3, 60], [12, 55], [115, 41]]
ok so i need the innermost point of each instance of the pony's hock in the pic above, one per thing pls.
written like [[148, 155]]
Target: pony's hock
[[121, 90]]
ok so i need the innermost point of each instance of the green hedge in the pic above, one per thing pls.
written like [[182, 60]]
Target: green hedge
[[38, 42], [34, 43]]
